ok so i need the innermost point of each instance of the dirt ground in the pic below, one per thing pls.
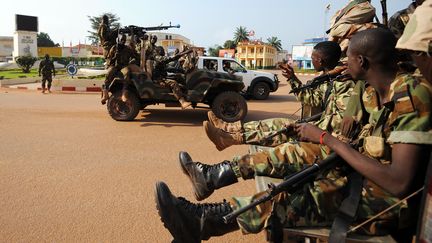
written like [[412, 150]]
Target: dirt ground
[[69, 173]]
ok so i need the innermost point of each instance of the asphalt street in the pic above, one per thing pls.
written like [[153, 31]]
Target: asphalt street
[[69, 173]]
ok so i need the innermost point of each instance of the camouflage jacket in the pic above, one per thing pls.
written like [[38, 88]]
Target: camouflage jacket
[[106, 36], [312, 97], [400, 19], [46, 67], [335, 106], [123, 57]]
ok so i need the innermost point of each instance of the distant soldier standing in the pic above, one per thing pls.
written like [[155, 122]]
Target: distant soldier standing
[[46, 67]]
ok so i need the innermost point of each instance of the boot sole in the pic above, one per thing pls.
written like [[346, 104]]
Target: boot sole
[[170, 217], [183, 165]]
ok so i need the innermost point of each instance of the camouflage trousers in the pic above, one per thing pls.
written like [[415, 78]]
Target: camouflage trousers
[[315, 204], [255, 132], [174, 86], [46, 79]]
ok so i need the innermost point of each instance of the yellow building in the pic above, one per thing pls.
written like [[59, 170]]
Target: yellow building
[[52, 51], [256, 54]]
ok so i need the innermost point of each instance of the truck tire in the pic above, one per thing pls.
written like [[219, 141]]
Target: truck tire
[[229, 106], [123, 111], [260, 91]]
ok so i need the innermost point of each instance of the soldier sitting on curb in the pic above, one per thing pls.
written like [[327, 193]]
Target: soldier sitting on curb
[[325, 57], [390, 159]]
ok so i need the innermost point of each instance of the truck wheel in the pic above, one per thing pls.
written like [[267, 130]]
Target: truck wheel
[[260, 91], [229, 106], [123, 111]]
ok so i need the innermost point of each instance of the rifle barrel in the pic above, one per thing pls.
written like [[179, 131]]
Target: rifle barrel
[[288, 184]]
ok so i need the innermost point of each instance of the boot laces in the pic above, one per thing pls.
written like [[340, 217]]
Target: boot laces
[[198, 209], [208, 168]]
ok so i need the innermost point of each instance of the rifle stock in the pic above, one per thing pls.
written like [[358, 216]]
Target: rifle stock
[[289, 184]]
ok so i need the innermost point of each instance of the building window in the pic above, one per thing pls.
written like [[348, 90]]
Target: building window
[[166, 37]]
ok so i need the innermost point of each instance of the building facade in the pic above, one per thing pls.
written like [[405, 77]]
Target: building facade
[[302, 54], [6, 48], [256, 54]]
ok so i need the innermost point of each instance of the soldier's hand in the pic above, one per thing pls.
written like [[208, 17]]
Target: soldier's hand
[[308, 132], [287, 71]]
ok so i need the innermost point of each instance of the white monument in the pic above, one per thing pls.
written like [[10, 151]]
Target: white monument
[[25, 36]]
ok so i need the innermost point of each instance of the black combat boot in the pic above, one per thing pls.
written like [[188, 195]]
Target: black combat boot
[[206, 178], [189, 222]]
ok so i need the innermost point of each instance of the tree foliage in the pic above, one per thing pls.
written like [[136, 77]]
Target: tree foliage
[[44, 40], [240, 34], [229, 44], [275, 42], [214, 50], [95, 22], [25, 62]]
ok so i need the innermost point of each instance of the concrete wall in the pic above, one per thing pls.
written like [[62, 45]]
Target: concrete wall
[[25, 43]]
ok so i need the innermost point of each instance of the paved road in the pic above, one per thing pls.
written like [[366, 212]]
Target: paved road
[[69, 173]]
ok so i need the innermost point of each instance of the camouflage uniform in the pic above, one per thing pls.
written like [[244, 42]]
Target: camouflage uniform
[[316, 203], [330, 120], [160, 62], [119, 60], [46, 67], [107, 37], [400, 19]]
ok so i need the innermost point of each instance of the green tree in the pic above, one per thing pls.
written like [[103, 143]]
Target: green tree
[[275, 42], [25, 62], [229, 44], [214, 50], [44, 40], [95, 22], [241, 34]]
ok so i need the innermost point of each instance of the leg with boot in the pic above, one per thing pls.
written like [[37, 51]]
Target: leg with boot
[[189, 222], [178, 93], [49, 80], [111, 72], [43, 85], [277, 162], [221, 138], [252, 132]]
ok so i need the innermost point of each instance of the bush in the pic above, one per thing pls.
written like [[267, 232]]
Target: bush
[[25, 62]]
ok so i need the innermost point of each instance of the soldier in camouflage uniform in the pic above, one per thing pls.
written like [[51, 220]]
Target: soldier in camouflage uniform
[[120, 57], [46, 67], [325, 57], [107, 36], [389, 157], [159, 75], [417, 38], [150, 53], [400, 19]]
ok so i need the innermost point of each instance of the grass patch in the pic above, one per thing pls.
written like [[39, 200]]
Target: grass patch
[[18, 73]]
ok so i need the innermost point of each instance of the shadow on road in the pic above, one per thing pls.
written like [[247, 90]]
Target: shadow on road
[[172, 117]]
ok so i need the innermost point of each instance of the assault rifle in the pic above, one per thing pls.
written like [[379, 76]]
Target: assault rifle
[[384, 12], [289, 184], [141, 31], [287, 129]]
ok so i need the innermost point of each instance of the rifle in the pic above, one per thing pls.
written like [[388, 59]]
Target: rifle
[[384, 12], [290, 184], [334, 74], [141, 31], [286, 129]]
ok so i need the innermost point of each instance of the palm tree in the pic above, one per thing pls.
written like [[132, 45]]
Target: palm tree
[[275, 42], [241, 34]]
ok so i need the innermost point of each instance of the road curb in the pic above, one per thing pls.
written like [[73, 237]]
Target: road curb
[[63, 88]]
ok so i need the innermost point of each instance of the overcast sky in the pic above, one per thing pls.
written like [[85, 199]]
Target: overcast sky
[[206, 23]]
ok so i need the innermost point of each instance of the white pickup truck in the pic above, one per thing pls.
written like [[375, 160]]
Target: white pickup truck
[[258, 85]]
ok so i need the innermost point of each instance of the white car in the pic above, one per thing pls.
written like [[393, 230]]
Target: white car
[[258, 85]]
